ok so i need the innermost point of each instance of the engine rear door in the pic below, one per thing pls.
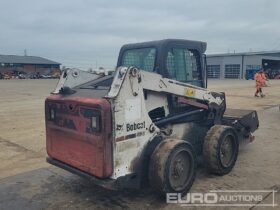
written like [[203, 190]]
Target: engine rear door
[[79, 133]]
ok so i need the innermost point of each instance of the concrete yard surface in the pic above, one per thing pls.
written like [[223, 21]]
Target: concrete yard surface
[[28, 182]]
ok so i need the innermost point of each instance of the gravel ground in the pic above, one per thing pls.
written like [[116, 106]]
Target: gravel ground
[[28, 182]]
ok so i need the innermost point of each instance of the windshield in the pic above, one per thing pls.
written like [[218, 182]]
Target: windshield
[[143, 58]]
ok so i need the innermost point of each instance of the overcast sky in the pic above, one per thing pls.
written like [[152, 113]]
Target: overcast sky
[[86, 33]]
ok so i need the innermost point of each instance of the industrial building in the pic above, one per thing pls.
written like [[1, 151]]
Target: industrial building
[[27, 64], [243, 65]]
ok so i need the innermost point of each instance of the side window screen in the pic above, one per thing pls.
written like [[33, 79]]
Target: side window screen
[[141, 58], [183, 65]]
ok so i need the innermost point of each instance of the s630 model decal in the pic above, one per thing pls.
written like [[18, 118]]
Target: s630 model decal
[[135, 126], [130, 136]]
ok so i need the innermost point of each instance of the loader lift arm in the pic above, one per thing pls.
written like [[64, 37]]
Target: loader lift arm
[[213, 102]]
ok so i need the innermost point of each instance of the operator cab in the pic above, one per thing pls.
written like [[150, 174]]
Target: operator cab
[[176, 59]]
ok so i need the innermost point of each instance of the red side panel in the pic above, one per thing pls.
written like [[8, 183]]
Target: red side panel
[[70, 137]]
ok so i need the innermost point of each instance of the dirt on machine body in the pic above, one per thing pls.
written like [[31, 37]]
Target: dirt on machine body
[[148, 122]]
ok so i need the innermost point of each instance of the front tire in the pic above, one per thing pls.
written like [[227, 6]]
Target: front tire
[[220, 149], [172, 167]]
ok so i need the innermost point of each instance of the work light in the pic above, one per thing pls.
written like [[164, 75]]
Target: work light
[[52, 114], [95, 123]]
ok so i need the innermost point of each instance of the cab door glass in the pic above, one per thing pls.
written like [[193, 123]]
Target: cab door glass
[[184, 65]]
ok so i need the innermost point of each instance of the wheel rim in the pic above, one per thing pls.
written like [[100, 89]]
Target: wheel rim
[[227, 151], [179, 171]]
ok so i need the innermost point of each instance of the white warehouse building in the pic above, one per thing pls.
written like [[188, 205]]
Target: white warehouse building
[[242, 65]]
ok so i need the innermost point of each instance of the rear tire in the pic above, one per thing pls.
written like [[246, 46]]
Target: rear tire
[[220, 149], [172, 167]]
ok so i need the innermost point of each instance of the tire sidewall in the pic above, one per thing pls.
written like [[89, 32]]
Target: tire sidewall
[[177, 149], [228, 131]]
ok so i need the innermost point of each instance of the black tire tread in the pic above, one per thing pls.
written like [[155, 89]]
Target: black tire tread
[[210, 147]]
